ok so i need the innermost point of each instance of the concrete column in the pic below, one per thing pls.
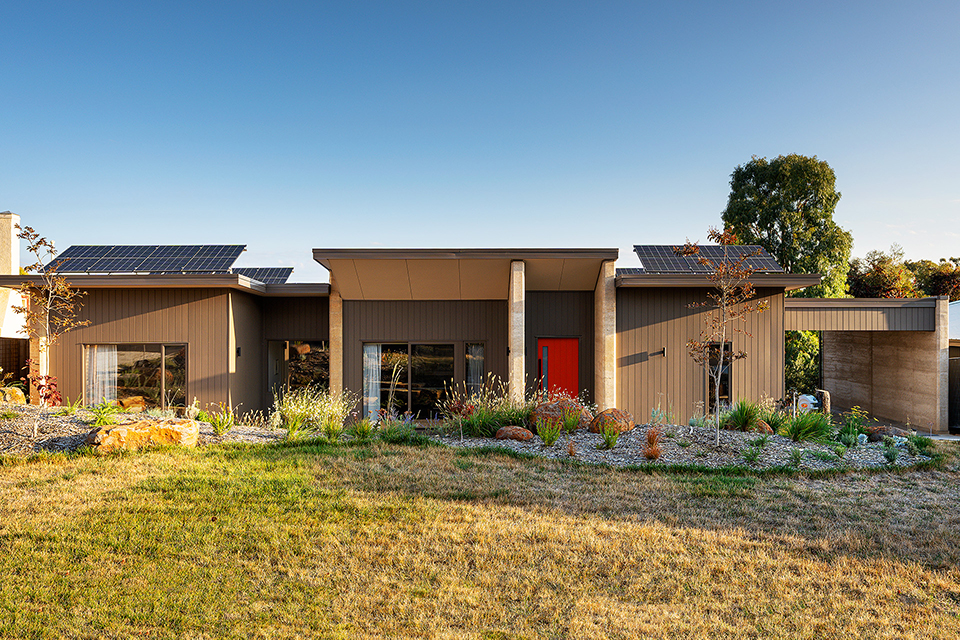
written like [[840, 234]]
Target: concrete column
[[942, 331], [516, 330], [11, 323], [336, 338], [605, 336]]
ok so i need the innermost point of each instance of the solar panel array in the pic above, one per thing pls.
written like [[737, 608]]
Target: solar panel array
[[184, 258], [662, 259], [266, 275]]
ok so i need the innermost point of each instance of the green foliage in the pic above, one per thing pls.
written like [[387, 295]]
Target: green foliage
[[203, 416], [891, 453], [362, 429], [571, 421], [786, 206], [223, 419], [881, 275], [924, 446], [610, 436], [776, 420], [744, 416], [698, 421], [549, 430], [70, 408], [481, 412], [309, 410], [104, 413], [802, 360], [796, 456], [839, 450], [825, 456], [847, 435], [8, 415], [752, 454], [760, 442], [808, 426], [397, 432]]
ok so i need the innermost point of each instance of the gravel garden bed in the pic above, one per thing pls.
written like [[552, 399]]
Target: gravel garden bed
[[693, 446], [68, 433], [696, 446]]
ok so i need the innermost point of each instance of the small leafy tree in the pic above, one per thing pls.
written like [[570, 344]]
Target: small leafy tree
[[49, 309], [731, 303]]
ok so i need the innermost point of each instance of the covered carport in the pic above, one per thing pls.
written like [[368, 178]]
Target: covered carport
[[890, 357]]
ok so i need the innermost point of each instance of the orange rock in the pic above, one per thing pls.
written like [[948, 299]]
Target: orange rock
[[513, 433], [13, 395], [144, 433], [763, 427], [612, 418]]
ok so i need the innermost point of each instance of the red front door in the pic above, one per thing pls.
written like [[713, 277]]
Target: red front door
[[559, 364]]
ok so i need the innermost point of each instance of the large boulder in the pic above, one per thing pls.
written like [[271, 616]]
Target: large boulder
[[13, 395], [876, 433], [555, 410], [763, 428], [144, 433], [513, 433], [616, 419]]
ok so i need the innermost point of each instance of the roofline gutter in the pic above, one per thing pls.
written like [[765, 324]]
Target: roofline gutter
[[324, 256], [789, 281], [232, 281]]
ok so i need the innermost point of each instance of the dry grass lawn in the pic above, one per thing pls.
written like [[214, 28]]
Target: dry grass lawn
[[382, 541]]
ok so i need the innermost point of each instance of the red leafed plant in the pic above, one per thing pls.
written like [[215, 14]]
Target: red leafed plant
[[651, 450]]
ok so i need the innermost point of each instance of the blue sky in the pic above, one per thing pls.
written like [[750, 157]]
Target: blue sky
[[287, 126]]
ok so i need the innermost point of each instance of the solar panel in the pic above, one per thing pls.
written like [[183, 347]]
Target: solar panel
[[266, 275], [183, 258], [662, 259]]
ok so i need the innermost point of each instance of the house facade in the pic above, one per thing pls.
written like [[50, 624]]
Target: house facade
[[403, 325]]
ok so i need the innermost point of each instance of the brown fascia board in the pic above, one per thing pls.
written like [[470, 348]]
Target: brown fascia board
[[858, 303], [789, 281], [324, 256], [179, 281]]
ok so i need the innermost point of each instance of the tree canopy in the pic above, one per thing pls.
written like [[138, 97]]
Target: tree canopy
[[881, 275], [786, 206], [937, 279]]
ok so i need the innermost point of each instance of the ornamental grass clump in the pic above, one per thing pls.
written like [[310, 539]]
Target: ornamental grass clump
[[549, 430], [809, 426], [744, 416], [480, 410], [610, 435], [309, 410], [571, 421], [361, 430], [104, 413], [223, 419]]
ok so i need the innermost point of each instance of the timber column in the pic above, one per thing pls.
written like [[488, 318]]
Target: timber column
[[336, 338], [516, 363]]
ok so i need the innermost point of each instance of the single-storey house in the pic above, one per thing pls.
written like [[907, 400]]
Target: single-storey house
[[176, 323]]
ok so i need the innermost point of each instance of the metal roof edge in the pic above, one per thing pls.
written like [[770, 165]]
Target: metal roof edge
[[323, 256], [789, 281]]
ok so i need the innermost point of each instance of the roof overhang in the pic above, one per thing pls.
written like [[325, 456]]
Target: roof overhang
[[788, 281], [232, 281], [458, 274]]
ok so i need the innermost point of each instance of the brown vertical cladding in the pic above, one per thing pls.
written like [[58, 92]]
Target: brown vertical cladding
[[296, 318], [447, 321], [651, 319], [803, 314], [196, 317], [13, 356], [561, 314]]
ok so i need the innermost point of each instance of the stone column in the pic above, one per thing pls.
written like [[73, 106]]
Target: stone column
[[336, 339], [516, 331], [942, 330], [10, 322], [605, 336]]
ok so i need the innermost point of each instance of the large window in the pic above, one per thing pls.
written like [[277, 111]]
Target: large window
[[724, 376], [404, 377], [157, 373]]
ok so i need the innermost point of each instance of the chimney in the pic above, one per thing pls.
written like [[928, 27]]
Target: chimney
[[9, 244]]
